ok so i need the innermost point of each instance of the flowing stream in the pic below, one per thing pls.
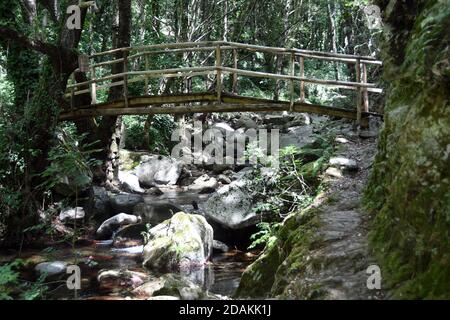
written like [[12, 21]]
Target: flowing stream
[[220, 276]]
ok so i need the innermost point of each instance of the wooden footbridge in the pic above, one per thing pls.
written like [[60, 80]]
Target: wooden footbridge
[[219, 69]]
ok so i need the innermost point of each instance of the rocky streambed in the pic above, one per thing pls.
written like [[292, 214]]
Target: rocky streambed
[[171, 230]]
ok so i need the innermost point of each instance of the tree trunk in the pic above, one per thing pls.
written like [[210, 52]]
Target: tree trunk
[[110, 127]]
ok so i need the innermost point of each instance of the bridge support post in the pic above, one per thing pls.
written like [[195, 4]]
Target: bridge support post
[[147, 89], [125, 78], [93, 87], [292, 74], [235, 66], [302, 75], [218, 74], [365, 92], [359, 92]]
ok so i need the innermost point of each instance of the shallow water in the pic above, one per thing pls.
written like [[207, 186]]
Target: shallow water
[[220, 276]]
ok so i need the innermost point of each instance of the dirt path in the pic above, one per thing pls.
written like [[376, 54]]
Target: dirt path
[[342, 256]]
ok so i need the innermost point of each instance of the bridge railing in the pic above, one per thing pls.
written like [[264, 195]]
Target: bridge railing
[[131, 61]]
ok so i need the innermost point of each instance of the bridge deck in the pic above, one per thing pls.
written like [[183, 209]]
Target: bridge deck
[[136, 67], [204, 102]]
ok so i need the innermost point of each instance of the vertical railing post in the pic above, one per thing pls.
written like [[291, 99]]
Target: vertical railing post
[[93, 87], [235, 66], [125, 77], [292, 74], [358, 95], [72, 92], [218, 74], [302, 75], [365, 92], [147, 89], [72, 96]]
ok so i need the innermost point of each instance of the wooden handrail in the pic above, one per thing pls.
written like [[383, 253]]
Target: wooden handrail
[[296, 58]]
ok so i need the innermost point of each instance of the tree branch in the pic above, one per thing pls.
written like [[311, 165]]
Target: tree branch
[[40, 46]]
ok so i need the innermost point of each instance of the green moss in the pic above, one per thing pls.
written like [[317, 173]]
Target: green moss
[[282, 259], [129, 159], [410, 184]]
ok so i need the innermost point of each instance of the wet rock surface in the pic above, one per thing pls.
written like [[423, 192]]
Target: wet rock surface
[[183, 242], [158, 170]]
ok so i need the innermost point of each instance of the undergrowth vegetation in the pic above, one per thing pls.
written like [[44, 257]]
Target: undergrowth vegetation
[[289, 189]]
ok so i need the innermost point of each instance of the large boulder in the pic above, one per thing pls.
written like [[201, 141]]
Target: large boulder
[[130, 182], [125, 203], [98, 204], [157, 170], [231, 206], [107, 228], [155, 213], [184, 242], [297, 136]]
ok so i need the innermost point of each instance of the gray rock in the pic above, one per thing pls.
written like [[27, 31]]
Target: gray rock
[[367, 134], [125, 203], [223, 179], [107, 228], [220, 246], [154, 191], [297, 136], [170, 287], [132, 231], [223, 127], [277, 119], [202, 182], [231, 206], [98, 204], [334, 172], [246, 122], [155, 213], [207, 190], [51, 269], [341, 162], [183, 242], [341, 140], [158, 170], [130, 182], [72, 214], [121, 277]]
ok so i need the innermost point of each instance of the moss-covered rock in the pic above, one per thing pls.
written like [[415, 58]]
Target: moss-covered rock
[[410, 184], [282, 260], [183, 242], [130, 159]]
